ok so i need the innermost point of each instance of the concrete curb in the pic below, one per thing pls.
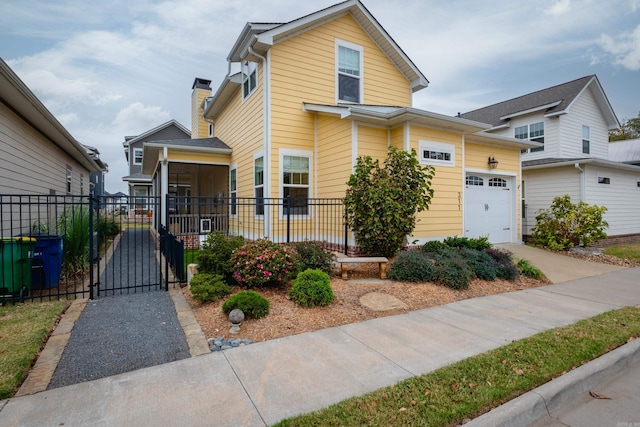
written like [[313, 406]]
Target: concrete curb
[[546, 399]]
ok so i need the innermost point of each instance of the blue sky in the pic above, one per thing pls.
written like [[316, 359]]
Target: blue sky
[[113, 68]]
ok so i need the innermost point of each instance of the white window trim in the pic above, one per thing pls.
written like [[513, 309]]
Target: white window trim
[[233, 167], [256, 156], [294, 153], [242, 79], [136, 150], [437, 146], [360, 49]]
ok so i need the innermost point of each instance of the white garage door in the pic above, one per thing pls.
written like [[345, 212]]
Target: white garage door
[[488, 207]]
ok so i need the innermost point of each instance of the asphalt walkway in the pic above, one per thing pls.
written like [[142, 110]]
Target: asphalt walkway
[[265, 382]]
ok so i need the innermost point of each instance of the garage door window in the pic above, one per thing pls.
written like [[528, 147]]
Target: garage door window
[[475, 180], [497, 182]]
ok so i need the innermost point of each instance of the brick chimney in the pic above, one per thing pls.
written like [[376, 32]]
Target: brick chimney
[[201, 90]]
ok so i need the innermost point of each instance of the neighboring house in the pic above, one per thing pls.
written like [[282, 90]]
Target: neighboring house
[[625, 151], [312, 95], [38, 156], [140, 186], [572, 121], [97, 179]]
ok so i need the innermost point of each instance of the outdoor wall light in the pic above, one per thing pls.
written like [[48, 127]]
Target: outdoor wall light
[[493, 163]]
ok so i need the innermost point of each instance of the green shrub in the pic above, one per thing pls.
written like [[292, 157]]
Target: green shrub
[[312, 255], [108, 226], [251, 303], [215, 254], [527, 269], [483, 266], [74, 225], [263, 263], [312, 288], [412, 267], [454, 272], [206, 287], [477, 243], [566, 225], [433, 246], [506, 267]]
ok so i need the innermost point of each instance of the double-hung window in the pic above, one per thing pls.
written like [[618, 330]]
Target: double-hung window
[[258, 184], [586, 140], [532, 132], [233, 190], [137, 156], [296, 177], [249, 78], [349, 72]]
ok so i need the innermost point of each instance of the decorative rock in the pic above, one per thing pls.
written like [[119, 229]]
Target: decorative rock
[[220, 343], [235, 317]]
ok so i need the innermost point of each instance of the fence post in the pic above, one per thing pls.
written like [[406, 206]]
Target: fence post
[[288, 203], [91, 258], [346, 238]]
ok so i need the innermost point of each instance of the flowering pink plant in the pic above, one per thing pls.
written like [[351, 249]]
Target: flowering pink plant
[[263, 263]]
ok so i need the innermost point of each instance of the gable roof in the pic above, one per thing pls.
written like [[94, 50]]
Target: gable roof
[[19, 98], [131, 139], [554, 101]]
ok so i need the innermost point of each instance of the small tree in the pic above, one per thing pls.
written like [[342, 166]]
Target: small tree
[[566, 225], [381, 203]]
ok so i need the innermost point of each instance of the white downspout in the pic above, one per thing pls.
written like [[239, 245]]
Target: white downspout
[[266, 130], [582, 184]]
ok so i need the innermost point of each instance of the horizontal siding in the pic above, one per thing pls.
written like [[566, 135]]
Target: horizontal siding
[[202, 158], [333, 158], [397, 137], [584, 111], [621, 197], [373, 142], [240, 126], [32, 164], [542, 185]]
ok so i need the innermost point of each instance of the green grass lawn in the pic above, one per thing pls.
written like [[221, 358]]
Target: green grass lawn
[[475, 385], [23, 331], [630, 251]]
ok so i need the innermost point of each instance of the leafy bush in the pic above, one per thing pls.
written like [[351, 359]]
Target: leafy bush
[[529, 270], [312, 288], [433, 246], [566, 225], [215, 254], [483, 266], [263, 263], [108, 226], [381, 203], [506, 267], [454, 272], [477, 243], [312, 255], [206, 287], [251, 303], [412, 267]]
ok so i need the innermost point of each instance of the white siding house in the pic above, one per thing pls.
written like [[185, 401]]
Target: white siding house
[[573, 121], [37, 154]]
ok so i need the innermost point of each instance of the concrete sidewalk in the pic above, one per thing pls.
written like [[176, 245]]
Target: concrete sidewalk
[[263, 383]]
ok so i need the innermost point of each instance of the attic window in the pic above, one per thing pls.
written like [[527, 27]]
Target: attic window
[[348, 72], [249, 78], [437, 153], [604, 180]]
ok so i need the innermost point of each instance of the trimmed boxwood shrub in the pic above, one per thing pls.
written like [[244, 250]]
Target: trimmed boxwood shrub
[[477, 243], [507, 269], [205, 287], [312, 255], [413, 267], [453, 271], [251, 303], [215, 254], [312, 288], [433, 246]]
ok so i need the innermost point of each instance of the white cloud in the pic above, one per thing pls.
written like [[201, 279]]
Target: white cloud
[[624, 47], [559, 7], [67, 119], [137, 118]]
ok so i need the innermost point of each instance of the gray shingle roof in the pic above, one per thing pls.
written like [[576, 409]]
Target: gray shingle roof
[[196, 142], [564, 94]]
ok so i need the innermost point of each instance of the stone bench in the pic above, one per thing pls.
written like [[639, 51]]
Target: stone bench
[[345, 261]]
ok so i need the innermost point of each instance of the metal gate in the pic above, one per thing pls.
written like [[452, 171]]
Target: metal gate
[[125, 250]]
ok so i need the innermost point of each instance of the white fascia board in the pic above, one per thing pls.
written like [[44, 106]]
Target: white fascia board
[[531, 110]]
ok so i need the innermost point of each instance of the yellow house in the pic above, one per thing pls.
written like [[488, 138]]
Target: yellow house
[[311, 95]]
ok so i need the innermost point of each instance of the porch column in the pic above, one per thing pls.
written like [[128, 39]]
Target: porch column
[[164, 191]]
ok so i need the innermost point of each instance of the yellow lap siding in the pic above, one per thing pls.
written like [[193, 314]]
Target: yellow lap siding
[[333, 156], [373, 142]]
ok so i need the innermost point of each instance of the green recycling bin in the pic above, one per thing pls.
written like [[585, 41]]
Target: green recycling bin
[[16, 255]]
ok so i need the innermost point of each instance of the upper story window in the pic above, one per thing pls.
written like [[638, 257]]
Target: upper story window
[[532, 132], [349, 72], [249, 78], [437, 153], [137, 156], [586, 140]]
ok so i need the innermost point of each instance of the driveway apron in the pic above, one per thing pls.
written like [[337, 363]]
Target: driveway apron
[[126, 328]]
